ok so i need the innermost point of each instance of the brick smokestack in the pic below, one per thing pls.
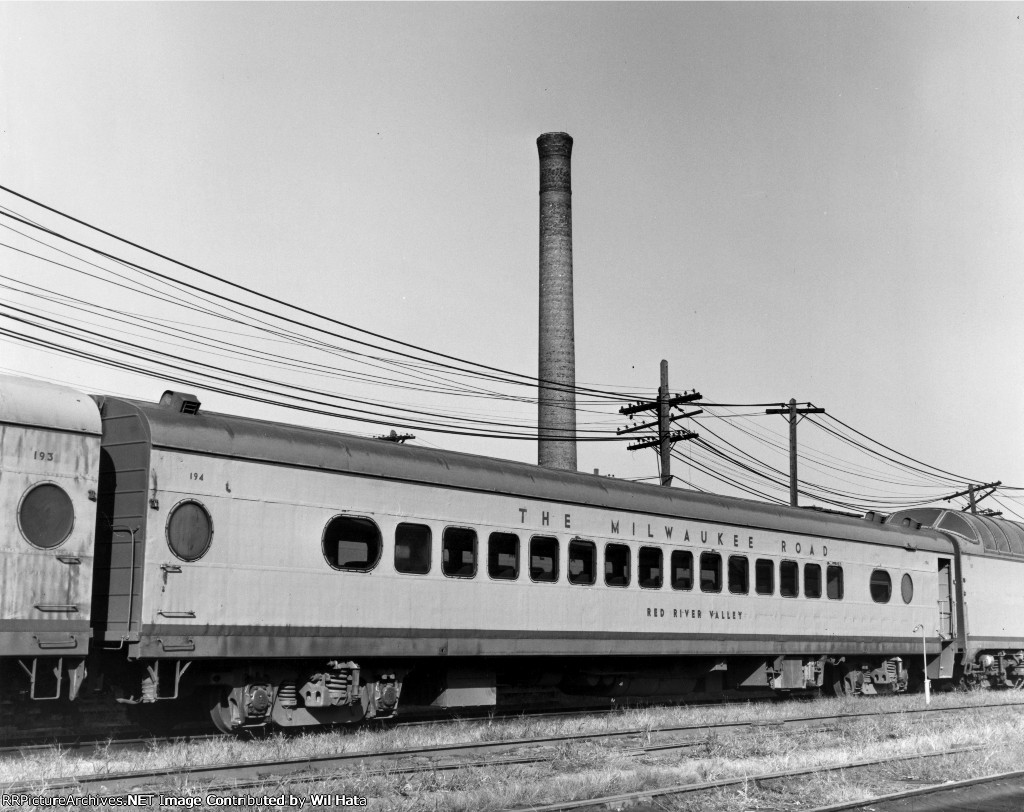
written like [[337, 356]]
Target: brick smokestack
[[556, 417]]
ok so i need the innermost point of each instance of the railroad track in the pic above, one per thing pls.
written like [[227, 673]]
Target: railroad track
[[127, 735], [1000, 792], [640, 741], [611, 801], [254, 773], [129, 739], [115, 726]]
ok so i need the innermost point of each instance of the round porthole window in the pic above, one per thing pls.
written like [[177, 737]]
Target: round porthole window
[[907, 588], [189, 530], [46, 515]]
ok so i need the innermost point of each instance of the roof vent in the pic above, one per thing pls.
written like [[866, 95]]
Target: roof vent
[[180, 402]]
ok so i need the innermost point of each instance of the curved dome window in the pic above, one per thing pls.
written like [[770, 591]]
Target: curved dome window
[[46, 515], [189, 530], [955, 523]]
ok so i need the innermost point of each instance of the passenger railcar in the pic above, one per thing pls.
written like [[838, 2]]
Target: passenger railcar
[[986, 601], [297, 576], [49, 459]]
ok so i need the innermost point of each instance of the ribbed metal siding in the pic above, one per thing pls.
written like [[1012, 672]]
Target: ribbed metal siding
[[121, 518]]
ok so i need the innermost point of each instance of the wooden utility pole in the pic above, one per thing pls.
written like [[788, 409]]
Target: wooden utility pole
[[664, 443], [666, 437], [989, 489], [792, 415]]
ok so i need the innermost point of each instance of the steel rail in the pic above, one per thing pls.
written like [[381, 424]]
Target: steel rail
[[254, 774], [931, 789], [129, 736], [117, 782], [413, 769], [106, 744], [261, 771], [682, 789]]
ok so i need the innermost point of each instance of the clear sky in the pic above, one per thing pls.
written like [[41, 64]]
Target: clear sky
[[819, 201]]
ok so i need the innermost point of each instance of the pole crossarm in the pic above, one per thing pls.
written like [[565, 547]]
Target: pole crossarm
[[974, 494], [673, 436], [638, 427], [666, 437], [641, 426], [395, 437], [648, 405], [808, 409], [992, 485]]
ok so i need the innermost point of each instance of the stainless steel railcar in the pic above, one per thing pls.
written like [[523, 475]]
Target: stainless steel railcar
[[986, 609], [49, 461], [299, 577]]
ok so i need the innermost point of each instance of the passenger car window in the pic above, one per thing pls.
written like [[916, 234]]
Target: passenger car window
[[682, 569], [649, 567], [739, 574], [710, 572], [46, 516], [503, 556], [458, 552], [582, 562], [764, 576], [544, 559], [812, 580], [616, 565], [881, 586], [955, 523], [834, 585], [789, 579], [907, 588], [349, 542], [412, 548]]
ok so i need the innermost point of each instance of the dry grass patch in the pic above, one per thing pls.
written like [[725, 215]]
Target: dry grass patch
[[583, 769]]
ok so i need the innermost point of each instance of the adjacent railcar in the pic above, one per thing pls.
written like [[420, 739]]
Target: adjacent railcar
[[986, 603], [301, 577], [49, 463]]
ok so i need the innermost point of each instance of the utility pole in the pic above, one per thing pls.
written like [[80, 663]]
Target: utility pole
[[989, 489], [395, 437], [664, 444], [666, 437], [791, 411]]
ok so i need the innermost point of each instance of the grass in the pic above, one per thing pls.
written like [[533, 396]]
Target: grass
[[585, 768]]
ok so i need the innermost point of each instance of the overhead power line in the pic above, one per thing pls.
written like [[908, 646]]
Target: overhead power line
[[127, 339], [502, 374]]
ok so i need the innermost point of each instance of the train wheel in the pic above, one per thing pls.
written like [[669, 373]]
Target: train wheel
[[224, 710]]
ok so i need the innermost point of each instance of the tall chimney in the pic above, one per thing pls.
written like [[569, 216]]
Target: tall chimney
[[556, 416]]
